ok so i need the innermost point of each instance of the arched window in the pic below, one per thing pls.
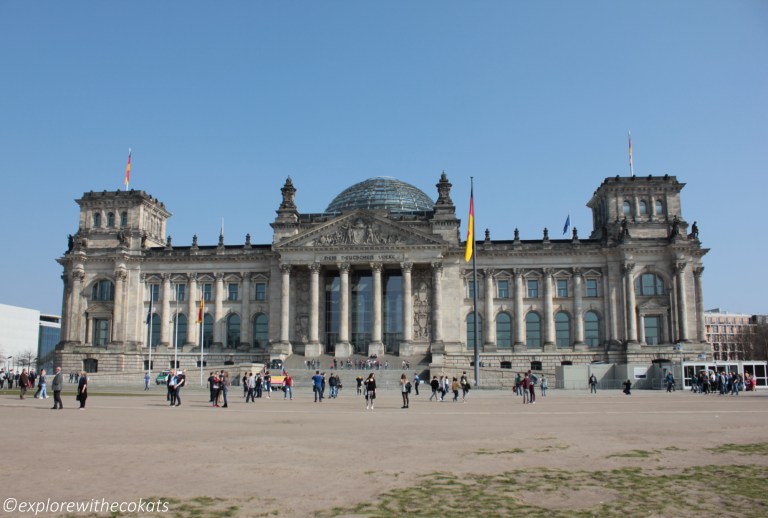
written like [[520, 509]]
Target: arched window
[[180, 332], [643, 208], [207, 330], [659, 208], [103, 290], [96, 219], [503, 331], [261, 331], [110, 219], [155, 331], [563, 329], [233, 330], [123, 219], [532, 330], [471, 330], [592, 329], [627, 208], [649, 285]]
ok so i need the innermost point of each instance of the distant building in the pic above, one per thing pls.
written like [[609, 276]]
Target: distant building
[[49, 337], [382, 271], [729, 334], [26, 335]]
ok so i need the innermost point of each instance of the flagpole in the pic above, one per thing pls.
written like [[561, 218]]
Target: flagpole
[[474, 291], [176, 332], [149, 330], [631, 166], [202, 344]]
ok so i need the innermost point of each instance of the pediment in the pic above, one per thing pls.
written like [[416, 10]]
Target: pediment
[[360, 229]]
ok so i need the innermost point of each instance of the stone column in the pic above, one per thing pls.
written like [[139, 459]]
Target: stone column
[[437, 316], [166, 317], [193, 309], [519, 319], [78, 318], [313, 348], [117, 308], [578, 311], [219, 327], [700, 329], [405, 345], [246, 328], [285, 303], [490, 327], [376, 346], [641, 329], [610, 282], [549, 317], [682, 306], [66, 308], [629, 286], [343, 347]]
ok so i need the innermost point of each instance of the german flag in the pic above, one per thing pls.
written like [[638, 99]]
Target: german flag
[[471, 230], [202, 309], [128, 170]]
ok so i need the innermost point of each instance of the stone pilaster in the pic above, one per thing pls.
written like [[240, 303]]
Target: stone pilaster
[[118, 328], [437, 317], [166, 317], [629, 289], [682, 305], [699, 293], [578, 310], [549, 317], [406, 344], [192, 309], [219, 326], [246, 327], [519, 318], [285, 309], [490, 322]]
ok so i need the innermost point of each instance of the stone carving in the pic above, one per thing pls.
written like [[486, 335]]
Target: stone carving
[[487, 235], [168, 242], [289, 194], [575, 234], [70, 243], [444, 191], [143, 240], [695, 231], [675, 227], [422, 302], [194, 241], [248, 240], [358, 233], [517, 234], [624, 229], [122, 238], [546, 234]]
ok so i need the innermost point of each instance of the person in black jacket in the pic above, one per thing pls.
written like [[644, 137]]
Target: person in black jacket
[[58, 381], [370, 391]]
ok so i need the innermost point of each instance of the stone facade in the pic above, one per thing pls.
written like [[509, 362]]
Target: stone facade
[[384, 280]]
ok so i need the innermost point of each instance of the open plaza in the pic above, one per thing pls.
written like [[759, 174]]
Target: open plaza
[[571, 454]]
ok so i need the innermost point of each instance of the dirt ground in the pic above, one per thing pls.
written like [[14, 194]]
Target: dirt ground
[[298, 458]]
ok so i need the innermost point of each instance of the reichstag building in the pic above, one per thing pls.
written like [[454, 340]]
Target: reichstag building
[[382, 271]]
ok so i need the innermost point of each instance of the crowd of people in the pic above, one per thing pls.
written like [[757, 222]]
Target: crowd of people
[[722, 382]]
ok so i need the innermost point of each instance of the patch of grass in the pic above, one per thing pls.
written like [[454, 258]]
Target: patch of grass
[[636, 454], [484, 451], [628, 492], [760, 448]]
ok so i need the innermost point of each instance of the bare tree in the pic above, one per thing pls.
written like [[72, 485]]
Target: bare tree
[[757, 343], [26, 359]]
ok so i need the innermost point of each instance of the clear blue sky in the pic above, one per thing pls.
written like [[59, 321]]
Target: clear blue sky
[[220, 101]]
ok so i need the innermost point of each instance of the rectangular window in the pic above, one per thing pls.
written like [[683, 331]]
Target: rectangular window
[[533, 289], [232, 292], [562, 288], [181, 291], [591, 288], [100, 332], [503, 289], [261, 291], [471, 289], [154, 292], [207, 289], [652, 330]]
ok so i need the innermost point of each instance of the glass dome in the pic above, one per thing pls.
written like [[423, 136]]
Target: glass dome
[[382, 192]]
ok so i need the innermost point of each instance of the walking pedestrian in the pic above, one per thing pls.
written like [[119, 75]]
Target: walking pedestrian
[[82, 389], [370, 391], [317, 386], [146, 381], [288, 384], [434, 385], [23, 383], [405, 388], [593, 384], [181, 380], [58, 381]]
